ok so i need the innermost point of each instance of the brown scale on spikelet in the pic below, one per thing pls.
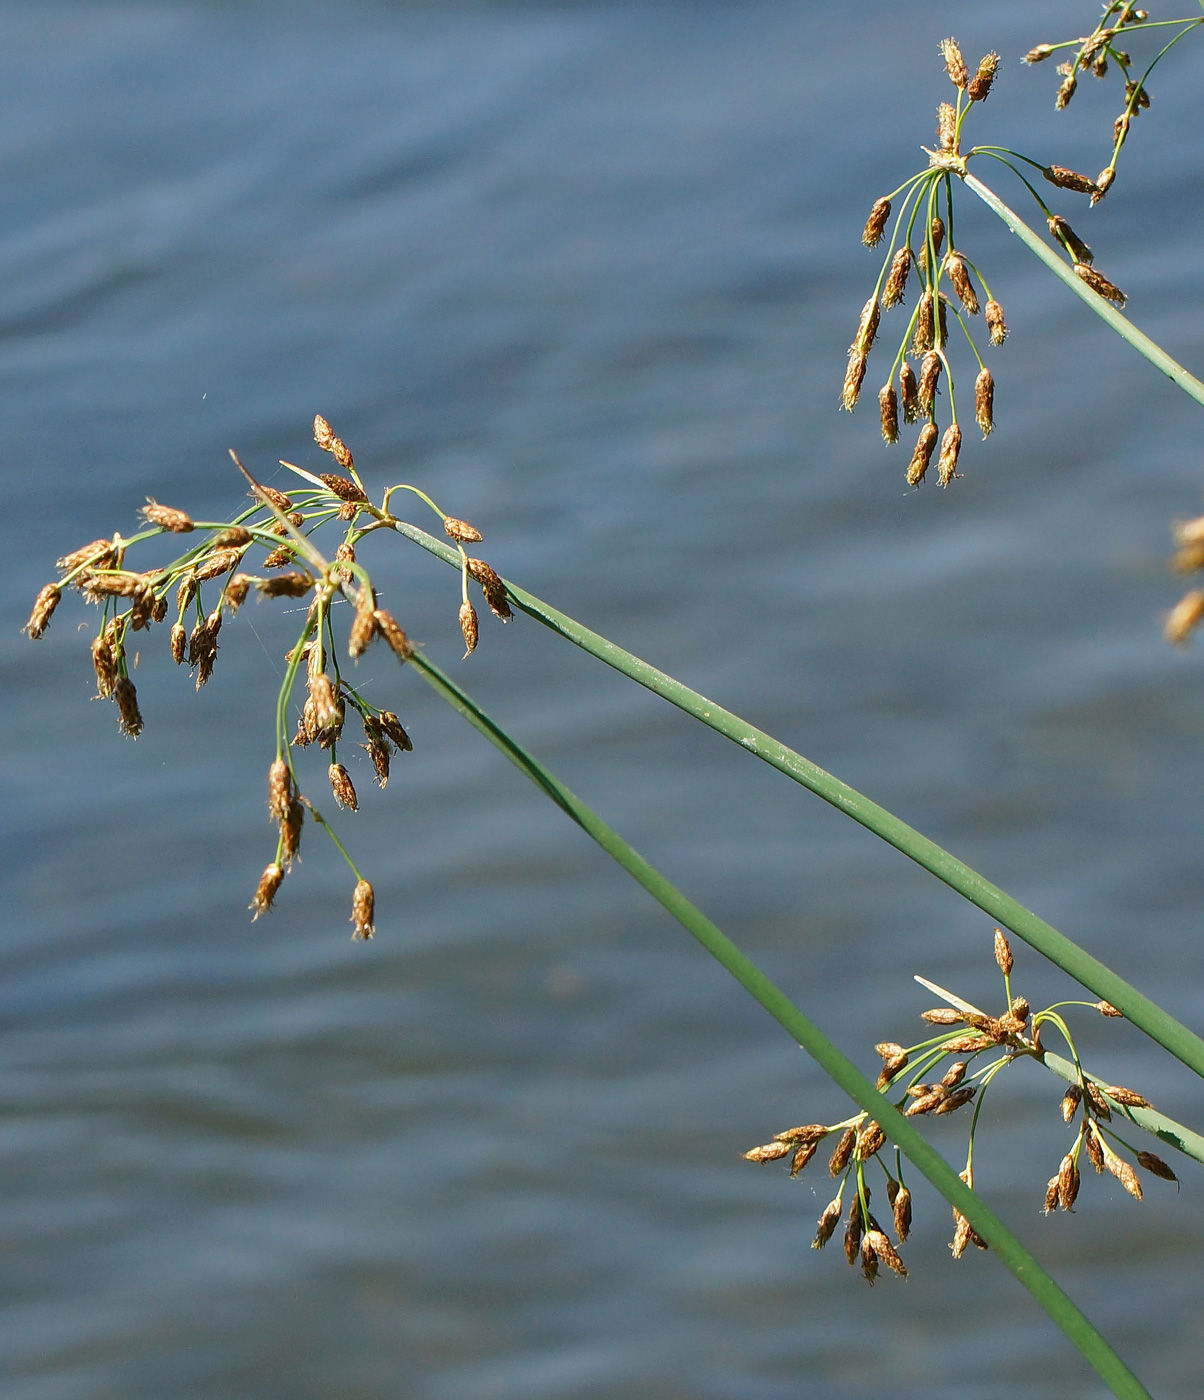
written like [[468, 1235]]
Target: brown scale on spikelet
[[220, 562], [946, 126], [1065, 235], [307, 725], [344, 556], [896, 280], [1127, 1098], [867, 328], [280, 790], [1098, 1102], [951, 445], [290, 832], [468, 626], [995, 323], [842, 1152], [265, 892], [461, 530], [179, 643], [110, 585], [1105, 1008], [233, 536], [295, 584], [1183, 619], [343, 487], [874, 225], [342, 787], [323, 435], [1103, 183], [1068, 1182], [853, 377], [886, 1252], [954, 1075], [277, 498], [827, 1223], [802, 1155], [956, 1100], [1069, 179], [394, 732], [769, 1152], [922, 454], [1124, 1173], [921, 337], [1100, 284], [901, 1207], [888, 413], [930, 374], [340, 452], [1093, 1144], [280, 556], [1156, 1166], [870, 1140], [101, 554], [869, 1260], [853, 1228], [176, 521], [984, 401], [1038, 54], [809, 1132], [979, 88], [959, 275], [1051, 1196], [492, 587], [1070, 1102], [363, 911], [378, 752], [236, 592], [1004, 960], [363, 626], [908, 393], [393, 634], [1066, 90], [955, 65], [129, 717], [43, 610]]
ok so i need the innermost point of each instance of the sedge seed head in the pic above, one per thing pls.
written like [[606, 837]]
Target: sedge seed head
[[363, 911], [280, 790], [946, 126], [1100, 284], [874, 225], [392, 633], [177, 521], [461, 530], [888, 412], [323, 435], [959, 275], [979, 88], [342, 787], [827, 1223], [1038, 54], [921, 337], [842, 1152], [908, 393], [930, 374], [1070, 1102], [922, 454], [867, 328], [955, 65], [265, 892], [853, 377], [1003, 953], [984, 401], [995, 323], [468, 626], [129, 717], [1067, 179], [492, 587], [896, 281], [43, 609]]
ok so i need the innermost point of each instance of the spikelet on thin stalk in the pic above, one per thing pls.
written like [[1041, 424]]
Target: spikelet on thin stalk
[[896, 280], [363, 911], [398, 642], [468, 626], [1061, 230], [842, 1152], [1184, 617], [853, 377], [323, 435], [461, 530], [874, 225], [129, 717], [290, 833], [43, 609], [921, 336], [979, 88], [984, 401], [930, 374], [867, 328], [492, 587], [901, 1206], [959, 275], [265, 892], [1100, 284], [179, 643], [827, 1223], [1066, 179], [280, 790], [909, 398], [342, 787], [922, 454], [888, 411], [955, 65], [995, 323], [946, 126], [176, 521], [345, 556]]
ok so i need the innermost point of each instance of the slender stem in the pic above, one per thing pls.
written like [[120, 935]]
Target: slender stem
[[1112, 1370], [1121, 324], [1089, 972]]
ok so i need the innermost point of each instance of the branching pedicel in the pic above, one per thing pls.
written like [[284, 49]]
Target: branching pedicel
[[969, 1033], [282, 525]]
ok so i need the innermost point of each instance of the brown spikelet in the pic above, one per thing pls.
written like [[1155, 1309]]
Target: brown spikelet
[[901, 1206], [1153, 1163], [1003, 953], [896, 280], [959, 275], [769, 1152], [921, 336], [280, 556], [938, 234], [177, 521], [342, 787], [307, 726], [867, 328], [925, 1103], [979, 88], [922, 454], [1103, 183], [1124, 1173], [233, 536], [891, 1067], [842, 1152], [809, 1132], [363, 626], [1189, 558], [1105, 1008], [1065, 235], [984, 401], [221, 561], [492, 587], [1038, 54], [942, 1016], [951, 445], [1127, 1098], [908, 393], [394, 732], [955, 65], [853, 1229], [323, 435], [129, 718], [1070, 1102], [827, 1223], [179, 643], [802, 1155], [339, 451], [461, 530], [954, 1075], [43, 609], [363, 911], [946, 126], [930, 374], [392, 633], [342, 487], [280, 790], [265, 892], [290, 833], [1098, 1103], [378, 752], [236, 592], [886, 1252], [468, 625], [1100, 284], [1065, 91], [1052, 1195], [104, 662], [159, 611], [277, 498], [1066, 179], [100, 554], [344, 555], [1093, 1144], [870, 1140], [295, 584], [995, 323], [957, 1099], [98, 585], [1068, 1182], [872, 234], [853, 377], [888, 412], [869, 1260]]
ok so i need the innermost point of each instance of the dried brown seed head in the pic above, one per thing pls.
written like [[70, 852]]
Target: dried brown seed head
[[363, 626], [1065, 91], [1127, 1098], [1003, 953], [942, 1016], [323, 435], [890, 1067], [280, 790], [980, 84], [307, 726], [1124, 1173], [1100, 284], [129, 718], [159, 610], [959, 275], [908, 393], [342, 787], [886, 1252], [946, 126], [236, 592], [492, 587], [341, 454], [104, 661], [1068, 1182], [901, 1207], [870, 1140], [984, 401], [378, 752], [468, 625], [43, 610], [853, 1228], [265, 893], [925, 1103], [827, 1223], [888, 1050], [101, 554], [1066, 179], [769, 1152], [802, 1155], [277, 498], [869, 1260], [922, 454], [363, 909], [962, 1233], [1103, 183], [343, 487], [1065, 235], [954, 1075], [921, 336], [930, 374], [1039, 54], [461, 530], [177, 521], [221, 561], [1094, 1146], [1153, 1163], [876, 222], [956, 1099], [967, 1044], [1051, 1195], [1070, 1102], [843, 1151], [115, 584], [179, 643], [290, 833], [896, 281], [951, 445], [1020, 1009], [394, 732], [344, 555], [867, 328], [888, 412], [995, 323], [393, 634], [809, 1132], [279, 557], [955, 65], [853, 377], [232, 536], [295, 584], [1098, 1103], [1105, 1008]]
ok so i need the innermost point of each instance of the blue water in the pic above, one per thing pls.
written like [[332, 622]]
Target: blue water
[[586, 273]]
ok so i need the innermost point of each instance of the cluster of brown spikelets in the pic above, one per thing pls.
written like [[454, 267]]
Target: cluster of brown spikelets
[[970, 1033], [280, 525], [1188, 612], [1092, 53], [947, 283]]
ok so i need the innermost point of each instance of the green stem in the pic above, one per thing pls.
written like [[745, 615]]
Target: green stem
[[1120, 324], [1089, 972], [1113, 1371]]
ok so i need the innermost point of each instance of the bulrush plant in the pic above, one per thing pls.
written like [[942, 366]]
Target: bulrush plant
[[270, 549]]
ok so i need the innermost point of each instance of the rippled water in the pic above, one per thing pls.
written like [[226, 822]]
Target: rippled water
[[586, 273]]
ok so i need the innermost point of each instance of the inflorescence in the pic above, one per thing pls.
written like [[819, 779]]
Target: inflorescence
[[281, 527], [925, 219], [1088, 1105]]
